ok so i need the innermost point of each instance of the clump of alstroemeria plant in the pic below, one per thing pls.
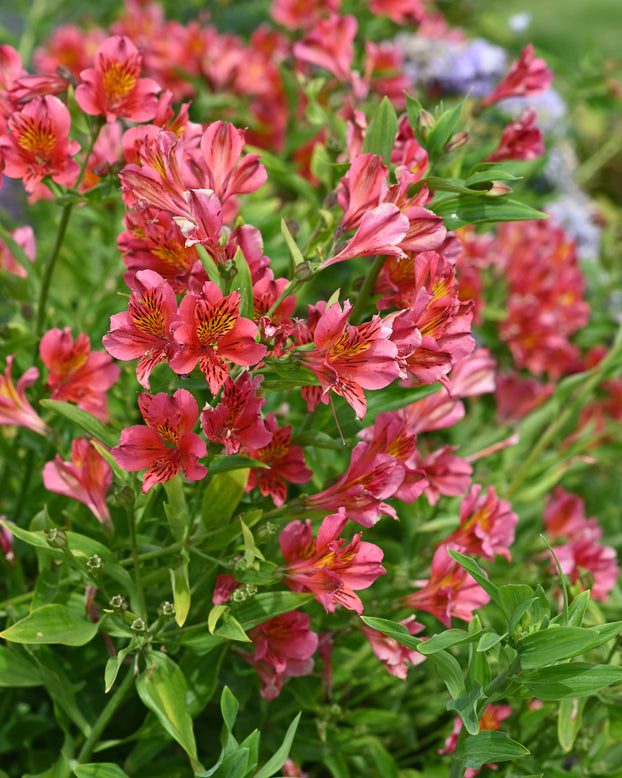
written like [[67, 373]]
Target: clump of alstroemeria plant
[[298, 386]]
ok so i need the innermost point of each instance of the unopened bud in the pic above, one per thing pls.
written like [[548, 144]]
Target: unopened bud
[[498, 189], [57, 538], [425, 122], [458, 140], [138, 625]]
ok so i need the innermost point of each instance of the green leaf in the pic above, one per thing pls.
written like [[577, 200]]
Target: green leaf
[[488, 640], [17, 671], [569, 720], [113, 665], [277, 760], [567, 681], [176, 508], [394, 630], [99, 770], [476, 572], [229, 627], [234, 765], [209, 265], [267, 605], [466, 708], [318, 439], [553, 644], [384, 763], [84, 420], [162, 688], [450, 673], [46, 587], [513, 595], [381, 131], [489, 746], [229, 707], [295, 252], [451, 637], [181, 592], [576, 610], [463, 210], [52, 624], [242, 282]]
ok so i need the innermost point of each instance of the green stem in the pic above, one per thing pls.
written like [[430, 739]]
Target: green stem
[[174, 548], [49, 269], [367, 289], [104, 717], [17, 600], [139, 583]]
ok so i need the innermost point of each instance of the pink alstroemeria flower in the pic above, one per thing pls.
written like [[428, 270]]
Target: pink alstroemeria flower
[[167, 444], [213, 331], [328, 566], [380, 231], [78, 374], [114, 87], [86, 478], [349, 359], [218, 164], [487, 525], [284, 647], [521, 139], [38, 144], [450, 591], [14, 407], [25, 238], [527, 77], [145, 330]]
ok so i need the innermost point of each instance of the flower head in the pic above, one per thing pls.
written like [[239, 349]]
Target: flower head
[[14, 407], [86, 478], [167, 444], [328, 565], [114, 87]]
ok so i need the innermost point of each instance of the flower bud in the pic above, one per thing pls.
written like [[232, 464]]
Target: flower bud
[[459, 139], [118, 603]]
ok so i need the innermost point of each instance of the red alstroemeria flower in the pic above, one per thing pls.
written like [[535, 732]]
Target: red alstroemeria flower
[[114, 87], [78, 374], [287, 463], [328, 566], [86, 478], [11, 68], [450, 591], [446, 474], [6, 543], [380, 231], [527, 77], [145, 330], [399, 11], [38, 144], [371, 478], [487, 525], [167, 444], [14, 407], [213, 331], [284, 647], [236, 421], [348, 359], [330, 45], [521, 139], [362, 188], [302, 14]]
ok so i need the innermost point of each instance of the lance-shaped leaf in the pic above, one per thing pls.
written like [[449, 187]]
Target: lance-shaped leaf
[[52, 624], [490, 746], [84, 420], [99, 770], [567, 681], [381, 132], [16, 671], [162, 688], [463, 210]]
